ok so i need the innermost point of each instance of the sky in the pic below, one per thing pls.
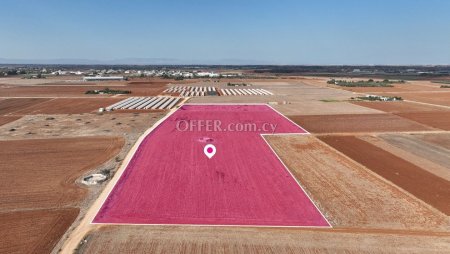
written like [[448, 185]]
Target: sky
[[323, 32]]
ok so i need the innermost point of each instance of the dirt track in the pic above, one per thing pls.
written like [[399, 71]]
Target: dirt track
[[157, 239], [422, 184], [398, 106]]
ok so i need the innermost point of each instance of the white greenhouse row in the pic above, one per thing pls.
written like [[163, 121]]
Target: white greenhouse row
[[158, 102], [244, 92]]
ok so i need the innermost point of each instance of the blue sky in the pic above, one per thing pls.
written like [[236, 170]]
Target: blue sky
[[231, 31]]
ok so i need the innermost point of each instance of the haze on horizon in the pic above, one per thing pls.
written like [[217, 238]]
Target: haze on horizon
[[228, 32]]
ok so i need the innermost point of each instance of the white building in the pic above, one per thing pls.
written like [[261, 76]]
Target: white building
[[101, 78]]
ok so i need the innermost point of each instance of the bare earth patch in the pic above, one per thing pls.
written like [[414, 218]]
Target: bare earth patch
[[34, 231], [356, 123], [8, 119], [41, 173], [220, 240], [348, 194], [39, 197], [411, 147], [417, 181], [68, 106]]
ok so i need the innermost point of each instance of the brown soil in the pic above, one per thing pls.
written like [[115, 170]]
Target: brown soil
[[67, 90], [415, 145], [440, 120], [38, 194], [356, 123], [421, 183], [442, 140], [8, 119], [438, 97], [48, 91], [410, 147], [35, 231], [41, 173], [146, 88], [398, 107], [432, 116], [68, 106], [348, 194], [159, 239], [129, 125], [9, 106]]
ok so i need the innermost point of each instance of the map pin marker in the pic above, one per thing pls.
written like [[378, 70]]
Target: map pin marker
[[209, 150]]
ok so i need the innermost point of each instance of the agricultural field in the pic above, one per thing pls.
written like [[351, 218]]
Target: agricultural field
[[10, 106], [428, 151], [39, 229], [354, 123], [39, 196], [192, 240], [355, 198], [430, 115], [63, 106], [424, 185], [334, 175], [8, 119]]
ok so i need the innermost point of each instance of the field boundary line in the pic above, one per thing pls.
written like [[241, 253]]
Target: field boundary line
[[209, 225]]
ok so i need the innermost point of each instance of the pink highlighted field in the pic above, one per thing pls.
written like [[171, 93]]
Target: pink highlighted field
[[169, 180]]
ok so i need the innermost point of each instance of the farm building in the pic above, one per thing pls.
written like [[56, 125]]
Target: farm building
[[100, 78]]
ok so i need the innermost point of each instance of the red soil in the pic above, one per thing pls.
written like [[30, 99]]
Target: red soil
[[421, 183], [8, 119], [41, 173], [34, 231], [398, 107], [38, 194], [432, 116], [68, 106], [9, 106], [356, 123], [440, 120]]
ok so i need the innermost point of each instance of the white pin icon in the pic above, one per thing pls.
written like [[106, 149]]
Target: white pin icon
[[209, 150]]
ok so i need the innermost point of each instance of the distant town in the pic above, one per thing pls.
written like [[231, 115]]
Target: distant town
[[225, 71]]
